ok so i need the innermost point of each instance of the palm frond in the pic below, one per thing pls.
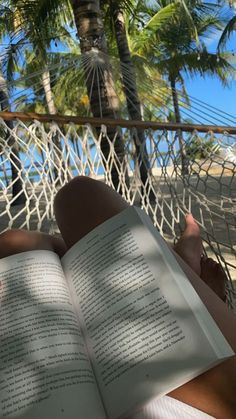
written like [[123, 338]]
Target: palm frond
[[227, 32], [158, 22], [189, 20], [208, 64], [161, 17], [209, 25]]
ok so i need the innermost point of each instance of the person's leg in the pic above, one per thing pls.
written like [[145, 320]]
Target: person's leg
[[189, 248], [214, 276], [83, 204]]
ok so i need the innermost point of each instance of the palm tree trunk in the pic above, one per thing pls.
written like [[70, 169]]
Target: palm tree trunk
[[130, 90], [57, 148], [100, 84], [18, 194], [184, 159]]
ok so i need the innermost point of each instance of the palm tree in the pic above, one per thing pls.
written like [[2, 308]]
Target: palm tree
[[37, 56], [37, 60], [174, 51], [64, 73], [100, 85], [101, 88], [117, 10], [97, 70], [18, 194]]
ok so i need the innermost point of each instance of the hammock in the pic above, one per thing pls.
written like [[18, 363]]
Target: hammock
[[174, 172]]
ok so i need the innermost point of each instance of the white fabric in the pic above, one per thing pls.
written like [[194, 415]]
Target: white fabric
[[168, 408]]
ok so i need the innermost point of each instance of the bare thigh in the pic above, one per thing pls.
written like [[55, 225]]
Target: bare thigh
[[83, 204]]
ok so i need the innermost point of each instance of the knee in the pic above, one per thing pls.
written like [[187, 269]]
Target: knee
[[85, 199], [81, 188]]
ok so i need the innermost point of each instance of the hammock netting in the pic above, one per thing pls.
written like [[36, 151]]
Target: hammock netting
[[39, 158]]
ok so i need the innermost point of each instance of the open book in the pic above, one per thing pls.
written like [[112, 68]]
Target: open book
[[101, 332]]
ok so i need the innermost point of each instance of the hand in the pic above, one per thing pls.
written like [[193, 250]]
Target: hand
[[17, 241]]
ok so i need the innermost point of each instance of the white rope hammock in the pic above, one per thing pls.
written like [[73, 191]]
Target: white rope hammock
[[37, 158], [208, 190]]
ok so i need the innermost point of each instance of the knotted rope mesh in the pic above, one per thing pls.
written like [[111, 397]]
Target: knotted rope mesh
[[172, 174]]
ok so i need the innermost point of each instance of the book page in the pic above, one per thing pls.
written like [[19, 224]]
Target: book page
[[44, 369], [143, 337]]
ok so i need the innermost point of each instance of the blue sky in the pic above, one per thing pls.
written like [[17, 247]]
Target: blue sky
[[210, 89]]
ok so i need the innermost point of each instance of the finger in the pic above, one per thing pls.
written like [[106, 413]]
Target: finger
[[59, 246], [43, 241]]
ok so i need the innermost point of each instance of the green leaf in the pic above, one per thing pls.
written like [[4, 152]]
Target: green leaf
[[161, 17], [227, 32]]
